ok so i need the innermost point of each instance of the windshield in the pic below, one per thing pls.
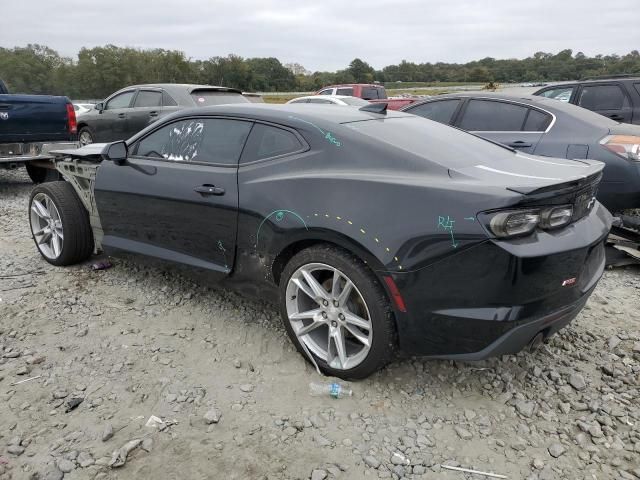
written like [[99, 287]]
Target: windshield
[[355, 101], [204, 98]]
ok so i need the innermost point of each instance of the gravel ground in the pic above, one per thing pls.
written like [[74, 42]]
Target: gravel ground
[[99, 353]]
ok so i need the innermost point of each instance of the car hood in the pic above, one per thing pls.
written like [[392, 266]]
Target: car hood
[[526, 174]]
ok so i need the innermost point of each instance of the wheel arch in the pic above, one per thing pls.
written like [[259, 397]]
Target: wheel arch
[[289, 250], [299, 243]]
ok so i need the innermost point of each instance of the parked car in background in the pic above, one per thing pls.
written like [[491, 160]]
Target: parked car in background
[[253, 97], [616, 97], [346, 218], [30, 127], [332, 100], [540, 126], [131, 109], [372, 92]]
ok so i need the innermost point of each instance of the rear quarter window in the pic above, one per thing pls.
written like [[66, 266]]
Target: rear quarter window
[[267, 141], [537, 121]]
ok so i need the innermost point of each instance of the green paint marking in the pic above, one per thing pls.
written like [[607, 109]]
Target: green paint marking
[[279, 217]]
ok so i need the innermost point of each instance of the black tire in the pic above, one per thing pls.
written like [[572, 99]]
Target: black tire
[[383, 344], [84, 133], [42, 175], [77, 244]]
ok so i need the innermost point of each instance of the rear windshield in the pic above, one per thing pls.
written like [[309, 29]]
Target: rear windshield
[[203, 98], [373, 93], [439, 143]]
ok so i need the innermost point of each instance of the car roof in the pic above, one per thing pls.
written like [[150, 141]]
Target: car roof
[[339, 97], [551, 105], [353, 85], [184, 86], [291, 113]]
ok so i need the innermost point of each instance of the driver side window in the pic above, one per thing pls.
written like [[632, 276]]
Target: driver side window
[[122, 100], [204, 140]]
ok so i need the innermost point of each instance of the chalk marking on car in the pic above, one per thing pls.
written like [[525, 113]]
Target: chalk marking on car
[[279, 217]]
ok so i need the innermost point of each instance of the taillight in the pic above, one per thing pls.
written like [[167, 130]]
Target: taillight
[[72, 123], [627, 146], [517, 223]]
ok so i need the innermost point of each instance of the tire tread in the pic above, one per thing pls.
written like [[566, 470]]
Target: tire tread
[[78, 236]]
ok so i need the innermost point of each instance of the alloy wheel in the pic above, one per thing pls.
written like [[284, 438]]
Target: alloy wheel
[[329, 314], [46, 226], [85, 138]]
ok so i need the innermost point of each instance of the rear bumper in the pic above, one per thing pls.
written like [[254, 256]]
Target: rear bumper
[[26, 152], [519, 337], [493, 298]]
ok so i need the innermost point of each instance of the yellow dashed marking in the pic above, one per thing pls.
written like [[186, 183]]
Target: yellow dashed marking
[[362, 231], [396, 259], [387, 249], [326, 215], [349, 222], [399, 267], [377, 241], [315, 214], [338, 218]]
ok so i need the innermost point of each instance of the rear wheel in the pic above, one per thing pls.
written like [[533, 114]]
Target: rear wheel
[[41, 174], [85, 136], [333, 304], [60, 224]]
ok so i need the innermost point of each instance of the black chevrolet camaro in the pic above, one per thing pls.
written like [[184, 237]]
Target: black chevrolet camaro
[[373, 231]]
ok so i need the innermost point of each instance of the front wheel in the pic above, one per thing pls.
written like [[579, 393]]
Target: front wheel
[[60, 224], [333, 303]]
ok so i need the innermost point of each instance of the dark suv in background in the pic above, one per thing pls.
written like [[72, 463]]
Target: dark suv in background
[[129, 110], [616, 97]]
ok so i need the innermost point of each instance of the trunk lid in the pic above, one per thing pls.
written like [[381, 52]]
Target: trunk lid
[[33, 118]]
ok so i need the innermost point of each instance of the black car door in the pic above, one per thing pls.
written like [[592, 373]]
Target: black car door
[[147, 108], [608, 99], [111, 122], [504, 122], [176, 196]]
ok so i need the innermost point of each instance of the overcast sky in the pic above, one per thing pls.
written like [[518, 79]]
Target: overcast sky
[[328, 34]]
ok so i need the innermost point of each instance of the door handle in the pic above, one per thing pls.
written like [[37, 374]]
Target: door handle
[[519, 144], [207, 189], [153, 114], [121, 115], [615, 116]]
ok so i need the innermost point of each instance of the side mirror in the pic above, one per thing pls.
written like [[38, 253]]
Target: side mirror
[[116, 152], [99, 107]]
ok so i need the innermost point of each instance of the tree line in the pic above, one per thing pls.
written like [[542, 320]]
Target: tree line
[[99, 71]]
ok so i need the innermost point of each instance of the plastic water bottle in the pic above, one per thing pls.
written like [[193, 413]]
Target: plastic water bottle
[[334, 390]]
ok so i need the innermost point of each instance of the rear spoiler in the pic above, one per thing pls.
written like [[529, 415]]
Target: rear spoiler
[[215, 89], [570, 186]]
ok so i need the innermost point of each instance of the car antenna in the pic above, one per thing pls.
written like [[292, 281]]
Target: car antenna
[[375, 108]]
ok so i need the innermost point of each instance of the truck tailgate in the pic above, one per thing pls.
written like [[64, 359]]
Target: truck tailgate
[[33, 118]]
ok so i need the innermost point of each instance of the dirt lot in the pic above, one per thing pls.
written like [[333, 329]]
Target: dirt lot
[[132, 342]]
